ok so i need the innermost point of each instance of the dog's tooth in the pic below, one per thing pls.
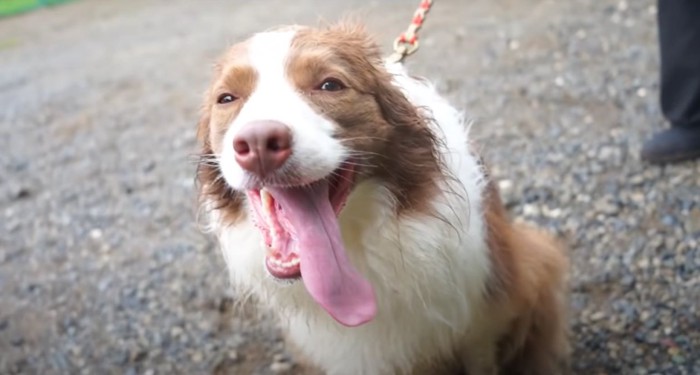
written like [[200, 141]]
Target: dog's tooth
[[281, 264], [266, 203], [291, 263], [266, 198]]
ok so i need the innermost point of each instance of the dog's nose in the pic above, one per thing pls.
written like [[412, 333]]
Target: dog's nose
[[262, 147]]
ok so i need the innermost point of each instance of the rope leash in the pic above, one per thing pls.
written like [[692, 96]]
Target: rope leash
[[407, 42]]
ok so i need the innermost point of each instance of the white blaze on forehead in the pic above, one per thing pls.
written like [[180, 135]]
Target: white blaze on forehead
[[268, 55], [315, 153]]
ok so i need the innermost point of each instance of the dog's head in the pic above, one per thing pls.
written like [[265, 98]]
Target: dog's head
[[294, 119]]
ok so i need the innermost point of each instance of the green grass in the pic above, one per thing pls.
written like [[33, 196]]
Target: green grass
[[12, 7]]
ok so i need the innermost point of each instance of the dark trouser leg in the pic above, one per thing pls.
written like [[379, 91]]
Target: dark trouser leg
[[679, 37]]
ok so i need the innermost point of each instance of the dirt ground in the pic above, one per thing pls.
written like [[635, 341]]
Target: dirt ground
[[103, 269]]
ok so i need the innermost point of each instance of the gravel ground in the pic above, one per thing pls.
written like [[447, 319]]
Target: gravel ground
[[102, 269]]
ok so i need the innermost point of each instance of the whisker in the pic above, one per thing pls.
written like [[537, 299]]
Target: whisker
[[365, 153], [357, 164], [338, 175], [361, 137]]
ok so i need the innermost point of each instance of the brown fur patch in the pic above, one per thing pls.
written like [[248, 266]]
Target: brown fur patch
[[537, 342], [232, 75], [390, 139], [529, 280], [502, 260]]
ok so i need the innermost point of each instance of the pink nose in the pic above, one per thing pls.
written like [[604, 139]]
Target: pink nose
[[262, 147]]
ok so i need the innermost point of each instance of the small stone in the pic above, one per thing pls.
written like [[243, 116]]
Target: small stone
[[149, 166], [22, 192], [606, 207], [622, 6], [505, 185], [669, 221], [197, 357], [679, 359], [514, 45], [553, 213], [692, 221], [607, 153], [138, 356], [627, 281], [176, 331], [636, 180], [597, 316], [281, 367], [637, 198], [531, 210], [507, 190], [652, 323], [17, 341], [95, 233]]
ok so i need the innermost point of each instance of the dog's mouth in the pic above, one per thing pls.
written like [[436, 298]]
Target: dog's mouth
[[300, 228]]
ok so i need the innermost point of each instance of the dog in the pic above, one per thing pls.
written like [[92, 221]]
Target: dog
[[348, 199]]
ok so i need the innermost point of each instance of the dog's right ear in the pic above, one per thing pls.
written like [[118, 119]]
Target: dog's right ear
[[203, 126], [202, 134]]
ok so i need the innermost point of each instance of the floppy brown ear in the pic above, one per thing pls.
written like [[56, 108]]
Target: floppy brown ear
[[417, 170], [213, 191], [406, 131], [396, 109], [206, 173], [203, 125], [203, 128]]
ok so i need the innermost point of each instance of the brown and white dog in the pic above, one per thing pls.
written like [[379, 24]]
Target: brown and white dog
[[346, 197]]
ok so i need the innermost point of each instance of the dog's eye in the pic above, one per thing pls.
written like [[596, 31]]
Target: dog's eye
[[331, 84], [225, 98]]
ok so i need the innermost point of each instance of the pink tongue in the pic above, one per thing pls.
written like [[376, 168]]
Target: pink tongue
[[327, 273]]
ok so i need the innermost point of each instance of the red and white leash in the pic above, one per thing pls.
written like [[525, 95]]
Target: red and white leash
[[407, 42]]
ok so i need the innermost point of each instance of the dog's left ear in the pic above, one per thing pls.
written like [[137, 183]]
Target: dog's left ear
[[396, 109], [351, 36], [412, 137]]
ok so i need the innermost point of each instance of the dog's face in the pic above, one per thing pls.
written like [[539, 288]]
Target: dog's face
[[320, 88], [294, 119]]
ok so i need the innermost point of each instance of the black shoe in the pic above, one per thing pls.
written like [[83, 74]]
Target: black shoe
[[673, 145]]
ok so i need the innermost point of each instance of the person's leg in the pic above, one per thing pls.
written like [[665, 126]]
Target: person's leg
[[679, 40]]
